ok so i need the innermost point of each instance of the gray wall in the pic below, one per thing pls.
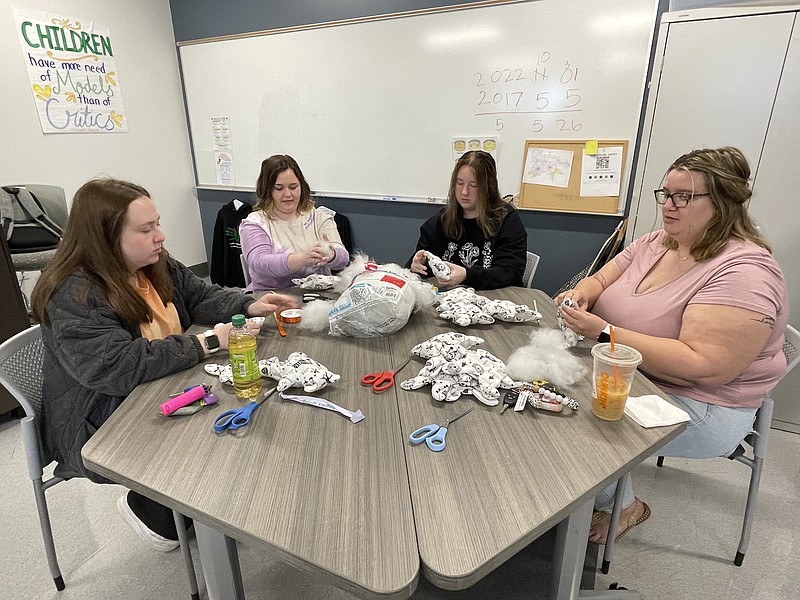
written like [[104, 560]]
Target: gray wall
[[386, 232]]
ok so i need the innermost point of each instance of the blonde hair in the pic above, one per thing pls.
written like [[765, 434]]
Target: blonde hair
[[727, 176]]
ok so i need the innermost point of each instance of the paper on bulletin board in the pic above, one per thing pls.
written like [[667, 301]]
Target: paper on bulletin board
[[601, 173], [544, 166], [223, 162], [465, 143]]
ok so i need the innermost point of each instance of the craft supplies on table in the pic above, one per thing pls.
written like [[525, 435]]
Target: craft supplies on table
[[183, 403], [382, 380], [434, 435], [236, 418], [355, 417]]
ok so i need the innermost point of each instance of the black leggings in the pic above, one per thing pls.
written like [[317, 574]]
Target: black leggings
[[157, 517]]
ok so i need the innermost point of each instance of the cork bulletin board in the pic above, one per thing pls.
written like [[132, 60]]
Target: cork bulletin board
[[566, 176]]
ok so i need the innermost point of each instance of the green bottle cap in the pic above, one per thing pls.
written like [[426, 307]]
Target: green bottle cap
[[238, 320]]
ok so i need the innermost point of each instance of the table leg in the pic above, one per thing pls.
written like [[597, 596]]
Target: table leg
[[572, 537], [220, 562]]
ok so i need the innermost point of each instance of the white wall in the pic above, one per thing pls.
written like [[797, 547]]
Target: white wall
[[153, 153]]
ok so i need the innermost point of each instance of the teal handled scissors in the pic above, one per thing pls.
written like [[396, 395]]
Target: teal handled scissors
[[382, 380], [433, 434], [239, 417]]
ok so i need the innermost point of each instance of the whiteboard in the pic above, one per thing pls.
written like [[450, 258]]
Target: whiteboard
[[371, 108]]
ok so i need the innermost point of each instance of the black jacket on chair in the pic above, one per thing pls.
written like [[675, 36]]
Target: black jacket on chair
[[226, 266]]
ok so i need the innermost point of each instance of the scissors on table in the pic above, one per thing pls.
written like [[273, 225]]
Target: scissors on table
[[382, 380], [239, 417], [433, 434]]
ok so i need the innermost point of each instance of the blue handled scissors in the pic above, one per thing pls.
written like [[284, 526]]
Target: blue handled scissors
[[433, 434], [382, 380], [238, 417]]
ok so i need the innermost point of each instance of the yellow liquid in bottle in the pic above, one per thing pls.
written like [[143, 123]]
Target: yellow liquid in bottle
[[244, 363]]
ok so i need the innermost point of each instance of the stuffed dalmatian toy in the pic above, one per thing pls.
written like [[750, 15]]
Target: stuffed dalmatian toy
[[570, 336], [224, 372], [315, 281], [298, 370], [464, 307], [450, 345], [465, 314], [454, 369], [438, 267]]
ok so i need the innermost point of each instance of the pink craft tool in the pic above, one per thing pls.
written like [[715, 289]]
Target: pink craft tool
[[191, 395]]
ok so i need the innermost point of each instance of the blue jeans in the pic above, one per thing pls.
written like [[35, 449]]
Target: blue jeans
[[712, 431]]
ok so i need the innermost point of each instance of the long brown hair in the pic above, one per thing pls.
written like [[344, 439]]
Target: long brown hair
[[727, 175], [491, 208], [270, 169], [91, 244]]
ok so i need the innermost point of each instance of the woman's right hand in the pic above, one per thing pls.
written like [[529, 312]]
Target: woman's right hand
[[313, 257], [578, 298], [419, 263]]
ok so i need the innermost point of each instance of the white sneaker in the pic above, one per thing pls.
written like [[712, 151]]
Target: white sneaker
[[153, 540]]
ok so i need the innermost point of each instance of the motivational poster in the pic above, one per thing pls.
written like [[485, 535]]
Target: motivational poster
[[72, 73]]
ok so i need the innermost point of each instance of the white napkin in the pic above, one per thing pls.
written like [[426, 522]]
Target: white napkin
[[654, 411]]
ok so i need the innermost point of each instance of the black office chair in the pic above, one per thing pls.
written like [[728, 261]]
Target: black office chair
[[21, 374], [54, 202]]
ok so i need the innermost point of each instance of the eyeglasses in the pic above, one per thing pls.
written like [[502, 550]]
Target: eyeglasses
[[679, 199]]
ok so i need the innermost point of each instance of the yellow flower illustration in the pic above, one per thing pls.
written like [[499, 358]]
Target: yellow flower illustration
[[43, 93], [116, 118], [110, 77], [66, 24], [71, 97]]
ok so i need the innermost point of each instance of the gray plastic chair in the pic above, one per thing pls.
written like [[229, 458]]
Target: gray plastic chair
[[531, 262], [245, 270], [756, 441], [21, 374]]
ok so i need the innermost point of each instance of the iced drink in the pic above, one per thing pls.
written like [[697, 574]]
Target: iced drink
[[611, 379]]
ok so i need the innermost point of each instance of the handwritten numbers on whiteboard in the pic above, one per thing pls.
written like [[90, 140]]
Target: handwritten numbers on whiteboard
[[568, 125], [527, 90], [569, 74], [542, 101], [573, 98]]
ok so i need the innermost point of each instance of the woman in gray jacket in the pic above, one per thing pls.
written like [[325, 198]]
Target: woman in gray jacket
[[114, 307]]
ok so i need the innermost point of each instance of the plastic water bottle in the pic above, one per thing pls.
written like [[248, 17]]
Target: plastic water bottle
[[244, 361]]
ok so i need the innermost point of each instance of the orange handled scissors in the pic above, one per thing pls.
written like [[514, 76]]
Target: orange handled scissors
[[382, 380]]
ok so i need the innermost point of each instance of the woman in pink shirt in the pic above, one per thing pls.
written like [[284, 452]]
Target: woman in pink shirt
[[705, 303]]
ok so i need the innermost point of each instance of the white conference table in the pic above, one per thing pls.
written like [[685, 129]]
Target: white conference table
[[356, 504]]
